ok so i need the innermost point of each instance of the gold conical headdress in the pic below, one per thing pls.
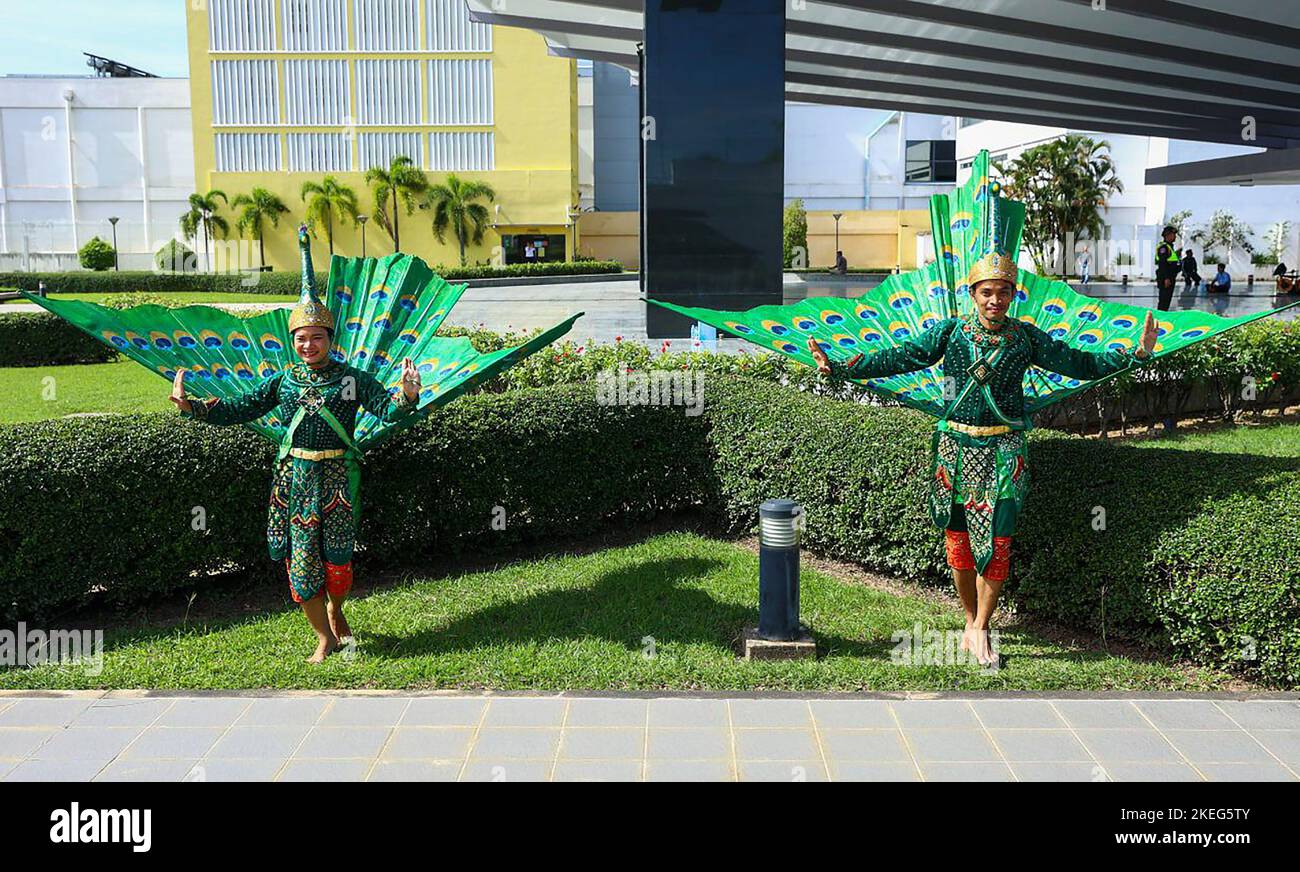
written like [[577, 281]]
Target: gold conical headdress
[[310, 311]]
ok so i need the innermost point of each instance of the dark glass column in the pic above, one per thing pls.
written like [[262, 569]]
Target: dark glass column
[[714, 92]]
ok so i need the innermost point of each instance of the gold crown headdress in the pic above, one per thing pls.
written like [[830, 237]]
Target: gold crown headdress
[[310, 311], [1001, 242]]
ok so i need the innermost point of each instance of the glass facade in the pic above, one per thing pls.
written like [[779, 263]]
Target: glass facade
[[713, 138]]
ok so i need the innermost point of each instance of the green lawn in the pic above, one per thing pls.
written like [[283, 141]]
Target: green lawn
[[35, 393], [1266, 440], [584, 622], [177, 296]]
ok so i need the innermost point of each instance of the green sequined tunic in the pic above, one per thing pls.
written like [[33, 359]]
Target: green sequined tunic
[[978, 483], [311, 514]]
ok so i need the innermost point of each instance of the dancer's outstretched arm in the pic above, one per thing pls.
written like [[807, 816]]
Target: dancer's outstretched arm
[[246, 407], [1055, 356], [912, 354]]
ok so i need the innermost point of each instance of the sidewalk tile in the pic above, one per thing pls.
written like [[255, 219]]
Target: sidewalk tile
[[428, 743], [608, 713], [688, 770], [87, 743], [1111, 746], [43, 712], [1218, 746], [146, 770], [525, 712], [414, 770], [966, 746], [934, 713], [506, 770], [203, 712], [1245, 772], [598, 770], [1262, 714], [1139, 771], [324, 743], [255, 742], [512, 742], [65, 769], [770, 713], [855, 770], [325, 771], [122, 713], [1285, 744], [1017, 714], [796, 771], [1059, 771], [688, 713], [966, 772], [757, 745], [18, 743], [1101, 714], [364, 711], [710, 744], [246, 769], [852, 714], [603, 743], [877, 746], [173, 742], [444, 712], [1185, 714], [283, 712], [1034, 746]]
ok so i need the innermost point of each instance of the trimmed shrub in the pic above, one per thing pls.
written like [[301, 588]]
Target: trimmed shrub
[[96, 255], [175, 256], [42, 339]]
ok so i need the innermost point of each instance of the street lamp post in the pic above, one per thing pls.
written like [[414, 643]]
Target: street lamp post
[[363, 219], [114, 221], [837, 216]]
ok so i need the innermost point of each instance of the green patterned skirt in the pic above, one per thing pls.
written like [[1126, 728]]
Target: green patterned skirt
[[310, 520], [978, 484]]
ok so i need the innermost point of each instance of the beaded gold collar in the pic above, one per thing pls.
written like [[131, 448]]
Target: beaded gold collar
[[980, 335]]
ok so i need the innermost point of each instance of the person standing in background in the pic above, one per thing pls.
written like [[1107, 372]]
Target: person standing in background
[[1167, 267], [1191, 277], [1085, 266]]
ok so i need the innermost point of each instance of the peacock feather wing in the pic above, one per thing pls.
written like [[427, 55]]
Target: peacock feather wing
[[223, 353], [385, 310], [1100, 325]]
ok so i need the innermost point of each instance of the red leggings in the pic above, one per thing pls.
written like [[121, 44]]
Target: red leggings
[[960, 556], [338, 580]]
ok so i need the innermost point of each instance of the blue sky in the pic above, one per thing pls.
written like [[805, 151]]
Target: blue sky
[[48, 36]]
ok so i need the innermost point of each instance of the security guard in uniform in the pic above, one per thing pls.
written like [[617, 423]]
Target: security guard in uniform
[[1168, 266]]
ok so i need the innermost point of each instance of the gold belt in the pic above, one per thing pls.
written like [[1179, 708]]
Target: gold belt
[[969, 430], [309, 454]]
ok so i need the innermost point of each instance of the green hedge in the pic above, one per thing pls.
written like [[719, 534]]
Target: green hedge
[[108, 503], [1198, 552], [42, 339], [273, 282]]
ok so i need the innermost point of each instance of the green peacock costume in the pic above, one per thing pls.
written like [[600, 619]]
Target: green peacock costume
[[322, 419], [915, 338]]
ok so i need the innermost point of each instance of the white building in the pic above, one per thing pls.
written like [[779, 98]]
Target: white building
[[76, 151], [1140, 211], [844, 157]]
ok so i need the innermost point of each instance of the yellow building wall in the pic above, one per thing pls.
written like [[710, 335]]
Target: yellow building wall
[[535, 150], [876, 238], [611, 236]]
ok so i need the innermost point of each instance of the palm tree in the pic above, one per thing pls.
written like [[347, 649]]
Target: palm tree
[[327, 198], [453, 206], [403, 180], [203, 217], [258, 206]]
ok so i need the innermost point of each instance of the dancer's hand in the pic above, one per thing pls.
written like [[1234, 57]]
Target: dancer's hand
[[823, 362], [178, 392], [410, 380], [1148, 336]]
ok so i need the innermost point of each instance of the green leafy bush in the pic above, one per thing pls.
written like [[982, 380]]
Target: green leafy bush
[[175, 256], [42, 339], [96, 255]]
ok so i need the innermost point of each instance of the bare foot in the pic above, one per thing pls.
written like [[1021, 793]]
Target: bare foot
[[338, 623], [324, 648], [965, 637], [983, 649]]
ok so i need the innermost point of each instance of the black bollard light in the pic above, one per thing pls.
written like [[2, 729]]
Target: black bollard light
[[778, 571]]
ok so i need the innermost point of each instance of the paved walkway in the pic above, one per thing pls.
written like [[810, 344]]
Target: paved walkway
[[444, 737]]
